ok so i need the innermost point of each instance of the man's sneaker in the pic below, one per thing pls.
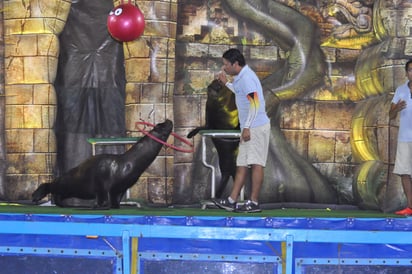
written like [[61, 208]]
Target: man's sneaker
[[406, 212], [225, 204], [248, 207]]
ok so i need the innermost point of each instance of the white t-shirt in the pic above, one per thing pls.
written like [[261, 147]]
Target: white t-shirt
[[249, 99], [405, 119]]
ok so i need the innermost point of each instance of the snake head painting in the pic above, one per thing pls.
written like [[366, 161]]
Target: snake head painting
[[288, 176]]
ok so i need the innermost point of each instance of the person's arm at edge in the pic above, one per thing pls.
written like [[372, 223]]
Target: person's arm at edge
[[393, 111]]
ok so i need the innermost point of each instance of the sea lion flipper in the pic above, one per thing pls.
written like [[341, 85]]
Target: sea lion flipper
[[194, 132], [41, 192]]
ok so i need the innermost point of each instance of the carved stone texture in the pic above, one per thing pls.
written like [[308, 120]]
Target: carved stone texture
[[31, 54], [150, 76]]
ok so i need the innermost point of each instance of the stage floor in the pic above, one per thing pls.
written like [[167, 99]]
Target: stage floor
[[191, 240], [268, 210]]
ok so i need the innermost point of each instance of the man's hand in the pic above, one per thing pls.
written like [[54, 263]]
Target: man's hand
[[401, 105], [221, 76], [245, 135], [395, 108]]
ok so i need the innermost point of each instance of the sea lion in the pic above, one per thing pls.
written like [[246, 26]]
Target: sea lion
[[221, 113], [106, 177]]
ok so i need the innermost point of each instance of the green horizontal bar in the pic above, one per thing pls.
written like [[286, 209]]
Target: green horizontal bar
[[219, 131], [113, 140]]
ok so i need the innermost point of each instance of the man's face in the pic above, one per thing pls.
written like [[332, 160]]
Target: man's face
[[409, 72], [229, 68]]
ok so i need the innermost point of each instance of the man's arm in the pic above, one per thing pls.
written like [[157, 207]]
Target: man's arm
[[253, 108], [229, 85]]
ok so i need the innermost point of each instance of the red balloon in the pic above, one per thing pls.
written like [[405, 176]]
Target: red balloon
[[125, 22]]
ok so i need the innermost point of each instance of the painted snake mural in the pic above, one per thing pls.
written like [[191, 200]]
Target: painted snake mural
[[294, 33], [288, 177]]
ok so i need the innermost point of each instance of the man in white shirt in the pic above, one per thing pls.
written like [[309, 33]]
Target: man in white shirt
[[254, 126], [402, 104]]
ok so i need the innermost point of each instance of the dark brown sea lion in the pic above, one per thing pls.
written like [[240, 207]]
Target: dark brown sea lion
[[221, 114], [106, 177]]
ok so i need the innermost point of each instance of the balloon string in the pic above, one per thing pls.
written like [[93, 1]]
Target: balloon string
[[163, 142]]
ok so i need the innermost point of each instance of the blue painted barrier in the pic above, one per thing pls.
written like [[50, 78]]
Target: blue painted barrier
[[31, 243]]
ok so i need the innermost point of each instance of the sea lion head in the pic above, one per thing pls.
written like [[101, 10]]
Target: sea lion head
[[162, 130], [221, 100], [214, 88]]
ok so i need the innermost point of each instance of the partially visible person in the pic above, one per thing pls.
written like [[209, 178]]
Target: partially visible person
[[402, 104], [254, 126]]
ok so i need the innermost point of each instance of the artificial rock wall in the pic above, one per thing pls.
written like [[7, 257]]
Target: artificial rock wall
[[31, 56]]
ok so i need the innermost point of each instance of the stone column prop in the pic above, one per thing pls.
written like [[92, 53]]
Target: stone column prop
[[31, 57], [380, 69], [3, 160], [150, 64]]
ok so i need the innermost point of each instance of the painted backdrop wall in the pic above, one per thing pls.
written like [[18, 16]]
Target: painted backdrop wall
[[331, 65]]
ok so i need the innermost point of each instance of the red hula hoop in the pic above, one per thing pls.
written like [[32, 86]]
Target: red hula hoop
[[187, 142]]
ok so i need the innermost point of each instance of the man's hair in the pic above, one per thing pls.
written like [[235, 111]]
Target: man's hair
[[233, 55], [407, 64]]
